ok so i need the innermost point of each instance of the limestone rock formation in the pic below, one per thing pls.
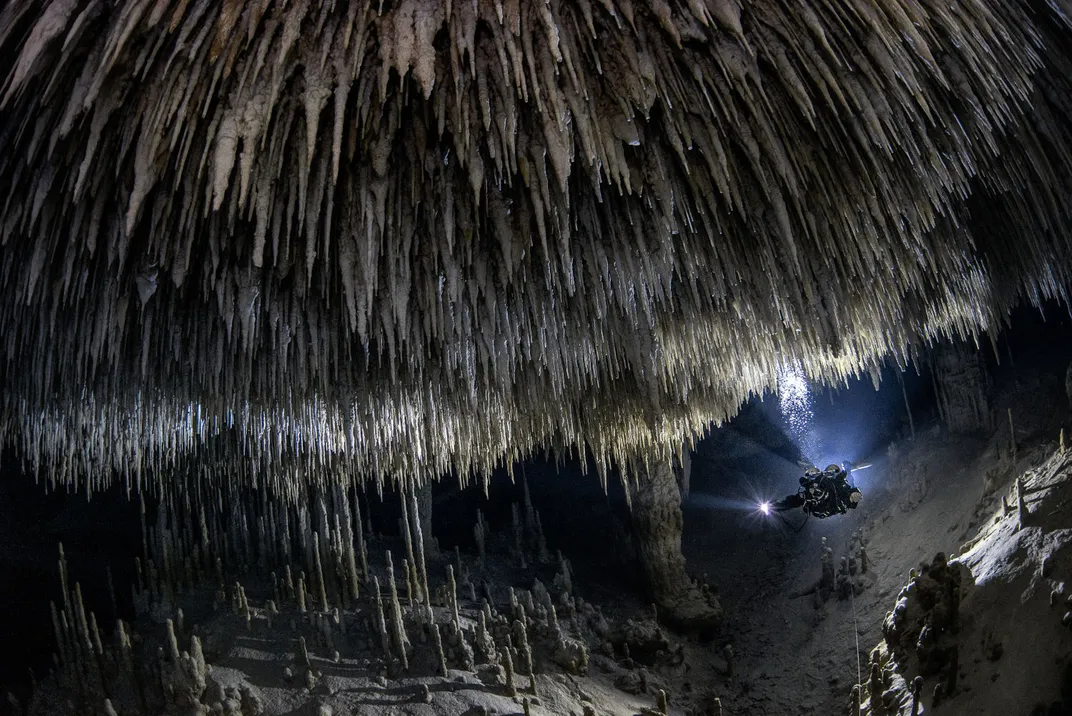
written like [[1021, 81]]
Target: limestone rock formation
[[288, 246], [963, 388], [925, 620], [656, 513], [983, 632], [390, 239]]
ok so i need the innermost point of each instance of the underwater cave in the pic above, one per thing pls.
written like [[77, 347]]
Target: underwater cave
[[690, 357]]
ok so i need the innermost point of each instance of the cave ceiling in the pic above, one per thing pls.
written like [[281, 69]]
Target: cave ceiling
[[294, 240]]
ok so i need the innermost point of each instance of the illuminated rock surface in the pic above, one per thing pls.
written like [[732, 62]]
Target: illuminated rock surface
[[388, 239]]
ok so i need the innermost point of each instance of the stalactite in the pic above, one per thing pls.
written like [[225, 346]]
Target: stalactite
[[592, 217]]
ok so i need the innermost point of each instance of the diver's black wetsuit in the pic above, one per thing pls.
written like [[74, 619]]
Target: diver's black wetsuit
[[822, 494]]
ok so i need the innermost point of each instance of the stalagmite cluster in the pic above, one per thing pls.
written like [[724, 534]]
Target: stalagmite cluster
[[204, 558], [306, 241]]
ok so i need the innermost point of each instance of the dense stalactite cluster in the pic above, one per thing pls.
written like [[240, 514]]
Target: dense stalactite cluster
[[396, 238]]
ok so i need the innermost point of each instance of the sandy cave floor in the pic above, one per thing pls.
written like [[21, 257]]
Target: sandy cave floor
[[795, 658], [922, 497]]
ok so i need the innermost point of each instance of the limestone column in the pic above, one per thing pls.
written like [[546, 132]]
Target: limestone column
[[657, 523], [424, 509], [962, 384]]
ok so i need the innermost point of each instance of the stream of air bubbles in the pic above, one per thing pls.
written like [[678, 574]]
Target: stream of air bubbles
[[795, 401]]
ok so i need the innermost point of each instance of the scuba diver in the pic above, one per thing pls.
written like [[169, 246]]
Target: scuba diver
[[822, 493]]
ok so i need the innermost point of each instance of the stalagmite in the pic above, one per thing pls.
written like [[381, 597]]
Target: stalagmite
[[656, 514], [398, 629], [320, 574], [1012, 439], [908, 406], [917, 692], [381, 622], [437, 641], [409, 564], [288, 580], [423, 499], [462, 573], [518, 536], [508, 666], [556, 630], [875, 689], [173, 643], [411, 588], [529, 514], [1021, 506], [61, 640], [541, 541], [419, 545], [303, 651], [64, 588], [963, 387], [480, 535], [452, 596], [520, 632]]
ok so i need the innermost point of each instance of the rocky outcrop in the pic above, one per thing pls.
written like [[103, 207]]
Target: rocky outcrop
[[924, 624], [985, 632]]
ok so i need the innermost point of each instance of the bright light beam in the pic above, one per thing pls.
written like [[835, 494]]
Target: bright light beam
[[764, 507]]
